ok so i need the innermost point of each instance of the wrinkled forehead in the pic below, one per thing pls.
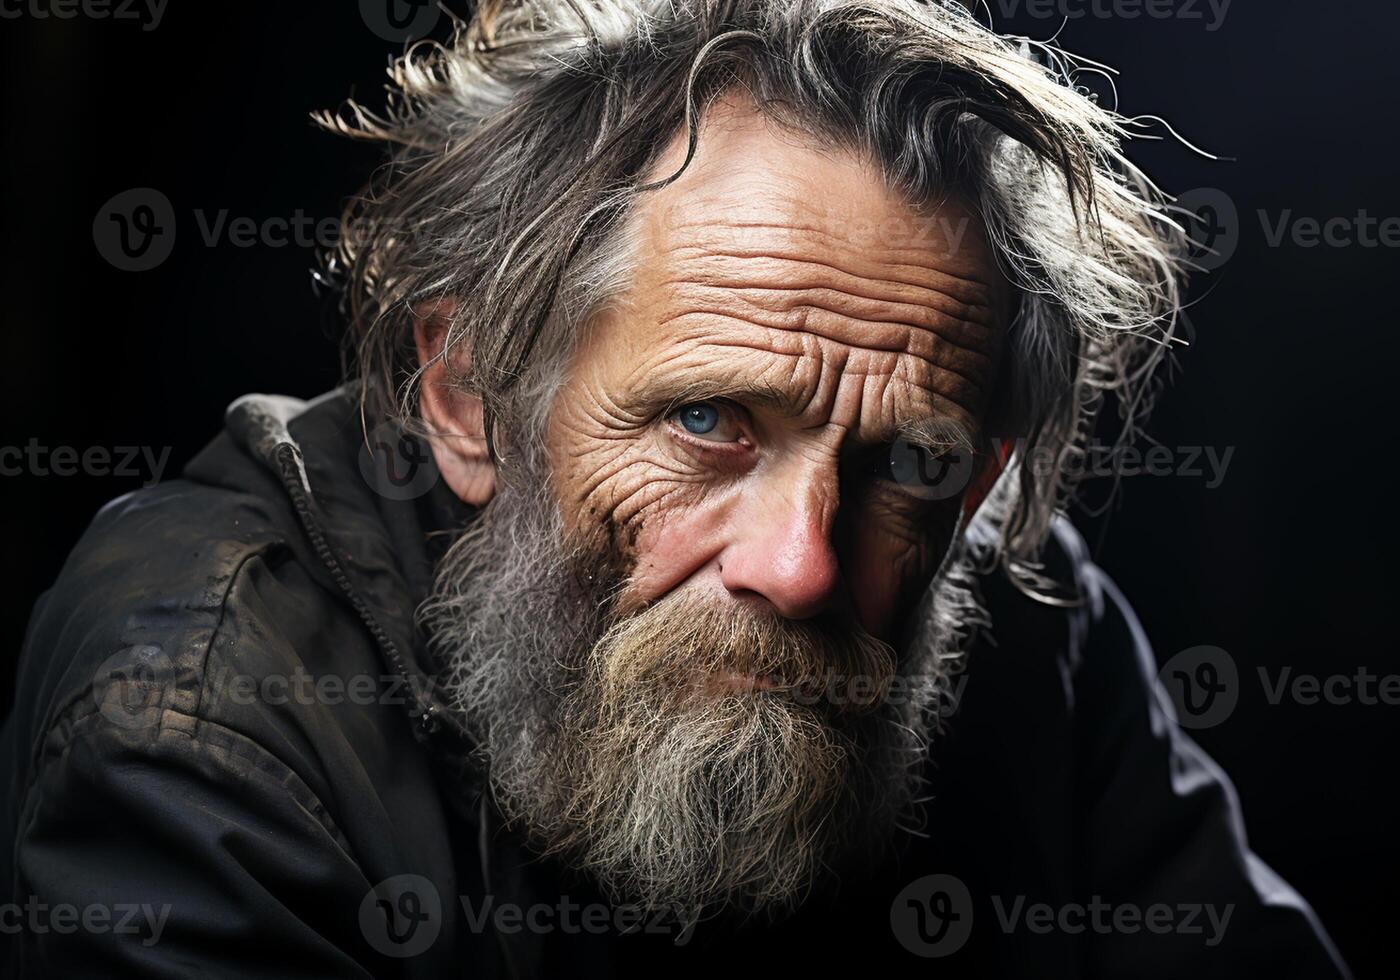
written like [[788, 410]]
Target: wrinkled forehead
[[765, 182], [768, 240]]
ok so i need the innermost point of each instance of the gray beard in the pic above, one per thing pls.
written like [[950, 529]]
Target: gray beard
[[623, 747]]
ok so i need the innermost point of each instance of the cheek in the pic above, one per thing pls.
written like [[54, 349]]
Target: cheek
[[890, 560], [678, 539], [622, 488], [594, 460]]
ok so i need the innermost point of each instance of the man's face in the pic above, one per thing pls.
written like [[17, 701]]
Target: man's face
[[674, 640], [728, 426]]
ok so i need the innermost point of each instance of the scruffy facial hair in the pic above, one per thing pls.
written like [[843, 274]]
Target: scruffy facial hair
[[698, 756]]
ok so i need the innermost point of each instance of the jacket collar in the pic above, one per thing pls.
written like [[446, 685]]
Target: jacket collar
[[370, 538]]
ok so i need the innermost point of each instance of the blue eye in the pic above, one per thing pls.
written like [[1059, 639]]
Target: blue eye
[[713, 421], [699, 418]]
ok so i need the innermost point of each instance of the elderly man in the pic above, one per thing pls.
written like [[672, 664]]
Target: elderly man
[[676, 585]]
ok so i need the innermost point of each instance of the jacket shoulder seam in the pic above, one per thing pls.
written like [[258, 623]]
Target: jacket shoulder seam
[[84, 702], [188, 735]]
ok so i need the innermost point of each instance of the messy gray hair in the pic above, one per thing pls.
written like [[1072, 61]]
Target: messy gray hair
[[520, 147]]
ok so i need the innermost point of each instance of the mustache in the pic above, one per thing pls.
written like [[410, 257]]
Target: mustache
[[697, 752], [687, 648], [679, 785]]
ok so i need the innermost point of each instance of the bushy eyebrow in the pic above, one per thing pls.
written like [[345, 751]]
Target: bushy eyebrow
[[753, 392], [940, 434], [937, 434]]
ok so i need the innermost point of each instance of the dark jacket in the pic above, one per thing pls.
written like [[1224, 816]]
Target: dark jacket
[[225, 760]]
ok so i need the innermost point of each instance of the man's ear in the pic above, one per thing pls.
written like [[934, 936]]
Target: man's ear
[[452, 416]]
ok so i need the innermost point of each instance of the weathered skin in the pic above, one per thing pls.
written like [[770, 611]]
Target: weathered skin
[[818, 313], [821, 316]]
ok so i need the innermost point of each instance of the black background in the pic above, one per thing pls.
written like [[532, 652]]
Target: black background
[[1286, 564]]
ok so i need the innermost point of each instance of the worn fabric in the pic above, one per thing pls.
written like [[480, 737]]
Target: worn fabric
[[178, 748]]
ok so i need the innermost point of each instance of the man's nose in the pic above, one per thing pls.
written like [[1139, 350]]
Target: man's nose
[[782, 549]]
